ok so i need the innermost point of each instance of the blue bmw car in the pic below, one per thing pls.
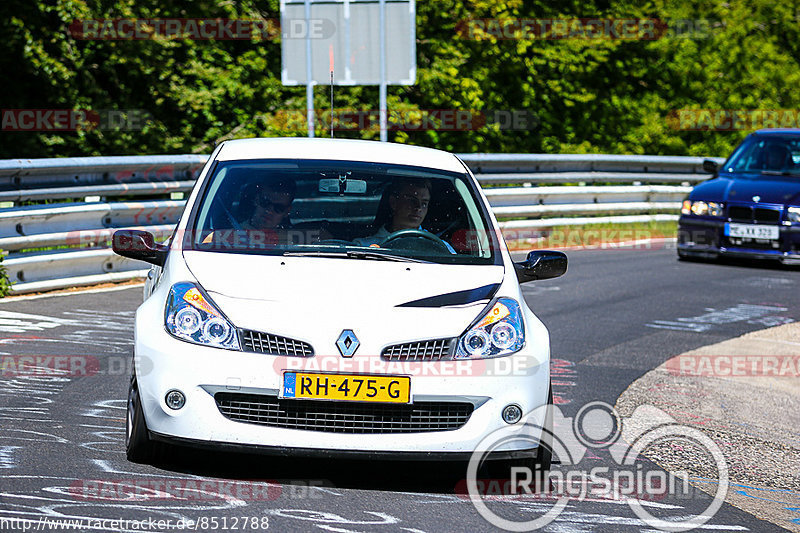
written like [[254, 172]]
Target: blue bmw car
[[751, 207]]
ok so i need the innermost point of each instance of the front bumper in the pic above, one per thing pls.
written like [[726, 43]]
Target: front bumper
[[164, 363], [703, 237], [282, 451]]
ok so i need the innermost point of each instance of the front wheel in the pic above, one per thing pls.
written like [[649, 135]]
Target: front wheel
[[138, 446]]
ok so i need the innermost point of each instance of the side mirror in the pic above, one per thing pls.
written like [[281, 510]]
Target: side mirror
[[710, 166], [141, 245], [541, 264]]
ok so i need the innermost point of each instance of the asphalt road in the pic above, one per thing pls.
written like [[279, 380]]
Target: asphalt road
[[613, 317]]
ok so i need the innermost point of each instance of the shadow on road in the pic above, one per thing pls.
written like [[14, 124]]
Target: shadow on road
[[760, 264], [405, 476]]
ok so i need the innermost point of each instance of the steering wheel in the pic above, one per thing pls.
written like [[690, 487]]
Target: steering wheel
[[431, 242]]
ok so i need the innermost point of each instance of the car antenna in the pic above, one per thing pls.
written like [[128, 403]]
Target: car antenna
[[330, 57]]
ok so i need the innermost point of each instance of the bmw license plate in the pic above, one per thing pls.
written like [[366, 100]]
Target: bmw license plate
[[349, 387], [752, 231]]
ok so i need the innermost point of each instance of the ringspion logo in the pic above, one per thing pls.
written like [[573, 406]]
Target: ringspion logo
[[577, 477]]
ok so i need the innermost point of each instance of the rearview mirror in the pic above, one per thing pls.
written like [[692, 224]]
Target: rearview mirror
[[351, 186], [138, 244], [710, 166], [541, 264]]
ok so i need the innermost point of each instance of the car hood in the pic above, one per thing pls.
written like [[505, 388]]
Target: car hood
[[742, 188], [314, 299]]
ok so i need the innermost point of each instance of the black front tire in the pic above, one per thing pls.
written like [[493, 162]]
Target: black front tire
[[138, 446]]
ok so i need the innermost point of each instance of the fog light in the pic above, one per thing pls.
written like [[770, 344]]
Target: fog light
[[512, 413], [175, 399]]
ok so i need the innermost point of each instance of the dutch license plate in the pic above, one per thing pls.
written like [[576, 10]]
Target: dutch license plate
[[752, 231], [350, 387]]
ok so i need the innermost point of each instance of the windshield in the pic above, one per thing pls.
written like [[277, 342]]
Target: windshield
[[343, 209], [769, 155]]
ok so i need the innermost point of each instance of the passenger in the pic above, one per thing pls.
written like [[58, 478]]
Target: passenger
[[267, 205], [408, 201]]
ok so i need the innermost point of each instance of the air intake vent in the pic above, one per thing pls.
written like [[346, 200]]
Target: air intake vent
[[431, 350], [255, 341], [343, 417]]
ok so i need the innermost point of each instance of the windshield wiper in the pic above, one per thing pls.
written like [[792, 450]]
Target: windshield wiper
[[356, 254], [778, 173], [361, 254]]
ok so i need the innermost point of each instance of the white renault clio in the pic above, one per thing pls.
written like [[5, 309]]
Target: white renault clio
[[337, 298]]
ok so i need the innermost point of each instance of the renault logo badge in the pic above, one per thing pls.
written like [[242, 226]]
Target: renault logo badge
[[347, 343]]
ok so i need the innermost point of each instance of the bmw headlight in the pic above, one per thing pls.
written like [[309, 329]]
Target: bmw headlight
[[696, 207], [499, 332], [793, 214], [192, 316]]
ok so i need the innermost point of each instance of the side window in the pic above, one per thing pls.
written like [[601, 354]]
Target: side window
[[204, 219], [475, 238], [751, 159], [795, 152]]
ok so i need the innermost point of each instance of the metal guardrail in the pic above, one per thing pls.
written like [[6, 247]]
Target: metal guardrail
[[80, 230], [589, 168]]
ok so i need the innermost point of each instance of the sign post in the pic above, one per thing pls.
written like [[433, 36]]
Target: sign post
[[356, 31]]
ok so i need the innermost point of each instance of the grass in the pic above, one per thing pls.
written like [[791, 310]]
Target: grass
[[5, 284], [591, 235]]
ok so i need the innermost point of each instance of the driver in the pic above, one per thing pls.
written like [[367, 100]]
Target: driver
[[408, 205], [776, 157]]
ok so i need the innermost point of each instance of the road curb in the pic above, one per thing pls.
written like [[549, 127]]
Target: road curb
[[751, 409]]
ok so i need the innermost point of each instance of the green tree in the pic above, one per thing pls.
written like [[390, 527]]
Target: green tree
[[588, 95]]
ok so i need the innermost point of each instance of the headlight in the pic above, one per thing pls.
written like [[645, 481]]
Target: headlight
[[713, 209], [793, 214], [192, 316], [499, 332]]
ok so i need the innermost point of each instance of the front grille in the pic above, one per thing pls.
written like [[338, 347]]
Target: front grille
[[432, 350], [343, 417], [770, 216], [256, 341], [742, 213], [739, 212]]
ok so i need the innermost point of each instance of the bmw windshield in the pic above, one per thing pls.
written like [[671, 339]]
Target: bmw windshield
[[343, 209], [767, 155]]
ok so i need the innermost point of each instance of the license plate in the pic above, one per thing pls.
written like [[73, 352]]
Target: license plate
[[752, 231], [348, 387]]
